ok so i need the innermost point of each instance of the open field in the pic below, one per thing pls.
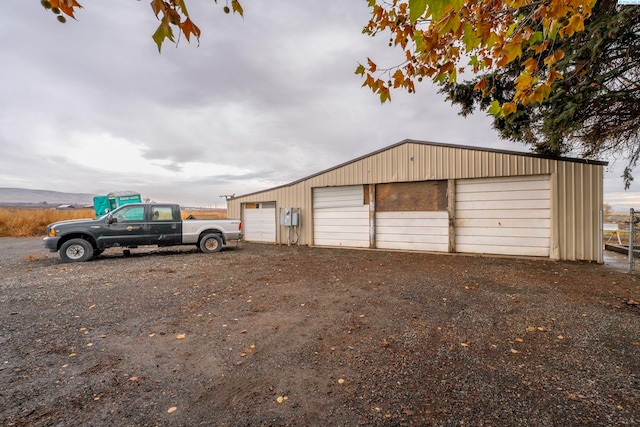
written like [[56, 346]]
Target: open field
[[33, 221]]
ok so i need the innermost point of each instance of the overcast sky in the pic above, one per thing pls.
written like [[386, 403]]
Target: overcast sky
[[90, 106]]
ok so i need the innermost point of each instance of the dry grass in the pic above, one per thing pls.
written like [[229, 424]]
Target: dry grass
[[205, 213], [27, 221]]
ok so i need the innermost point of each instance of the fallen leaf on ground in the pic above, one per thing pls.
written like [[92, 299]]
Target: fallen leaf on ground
[[172, 410], [341, 381], [181, 336]]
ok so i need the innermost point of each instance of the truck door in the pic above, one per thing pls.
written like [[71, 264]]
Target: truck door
[[128, 227], [165, 225]]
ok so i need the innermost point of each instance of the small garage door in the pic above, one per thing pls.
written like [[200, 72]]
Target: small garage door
[[340, 217], [259, 223], [504, 216]]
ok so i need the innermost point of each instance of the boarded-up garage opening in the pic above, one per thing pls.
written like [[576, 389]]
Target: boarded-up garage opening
[[340, 217], [259, 222], [412, 215], [506, 216]]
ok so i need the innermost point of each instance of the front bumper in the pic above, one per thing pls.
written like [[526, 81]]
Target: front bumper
[[51, 243]]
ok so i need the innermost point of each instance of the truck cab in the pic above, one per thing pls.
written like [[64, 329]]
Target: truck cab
[[144, 224]]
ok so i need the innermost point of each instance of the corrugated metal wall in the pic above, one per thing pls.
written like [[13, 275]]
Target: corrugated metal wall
[[577, 187]]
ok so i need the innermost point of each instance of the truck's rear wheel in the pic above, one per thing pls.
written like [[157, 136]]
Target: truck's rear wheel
[[76, 250], [210, 243]]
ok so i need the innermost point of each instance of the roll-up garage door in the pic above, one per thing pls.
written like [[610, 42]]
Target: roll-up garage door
[[505, 216], [340, 217], [259, 223], [413, 216]]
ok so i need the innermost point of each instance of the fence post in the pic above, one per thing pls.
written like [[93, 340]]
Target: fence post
[[632, 218]]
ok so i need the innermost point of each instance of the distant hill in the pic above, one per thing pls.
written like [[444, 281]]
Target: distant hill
[[22, 197]]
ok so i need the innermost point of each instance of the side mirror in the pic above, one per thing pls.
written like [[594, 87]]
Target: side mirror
[[111, 219]]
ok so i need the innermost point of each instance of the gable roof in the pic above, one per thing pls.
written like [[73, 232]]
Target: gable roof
[[436, 144]]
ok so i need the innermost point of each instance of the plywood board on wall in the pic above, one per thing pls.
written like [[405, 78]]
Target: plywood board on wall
[[421, 196]]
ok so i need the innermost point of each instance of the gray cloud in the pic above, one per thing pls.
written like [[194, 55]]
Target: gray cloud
[[261, 101]]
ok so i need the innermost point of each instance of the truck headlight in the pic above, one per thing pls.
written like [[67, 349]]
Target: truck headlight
[[52, 232]]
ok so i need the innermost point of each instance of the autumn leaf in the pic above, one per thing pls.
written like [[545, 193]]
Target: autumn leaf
[[530, 65], [183, 7], [372, 66], [553, 76], [163, 32], [508, 108], [481, 85], [158, 6], [469, 37], [495, 108], [417, 9], [524, 81], [237, 8], [385, 95], [398, 78], [67, 7]]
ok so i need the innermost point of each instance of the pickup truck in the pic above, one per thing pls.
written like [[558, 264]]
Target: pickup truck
[[138, 224]]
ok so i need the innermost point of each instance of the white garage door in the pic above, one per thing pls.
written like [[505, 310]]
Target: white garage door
[[412, 215], [340, 217], [418, 231], [259, 223], [505, 216]]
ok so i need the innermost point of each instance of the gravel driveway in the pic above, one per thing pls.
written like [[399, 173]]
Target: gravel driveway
[[269, 335]]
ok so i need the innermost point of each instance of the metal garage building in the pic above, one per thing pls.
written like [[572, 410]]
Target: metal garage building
[[425, 196]]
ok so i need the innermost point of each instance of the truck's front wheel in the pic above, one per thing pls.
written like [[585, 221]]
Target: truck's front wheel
[[76, 250], [211, 243]]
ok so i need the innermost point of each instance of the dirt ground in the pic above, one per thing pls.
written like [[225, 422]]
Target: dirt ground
[[264, 335]]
